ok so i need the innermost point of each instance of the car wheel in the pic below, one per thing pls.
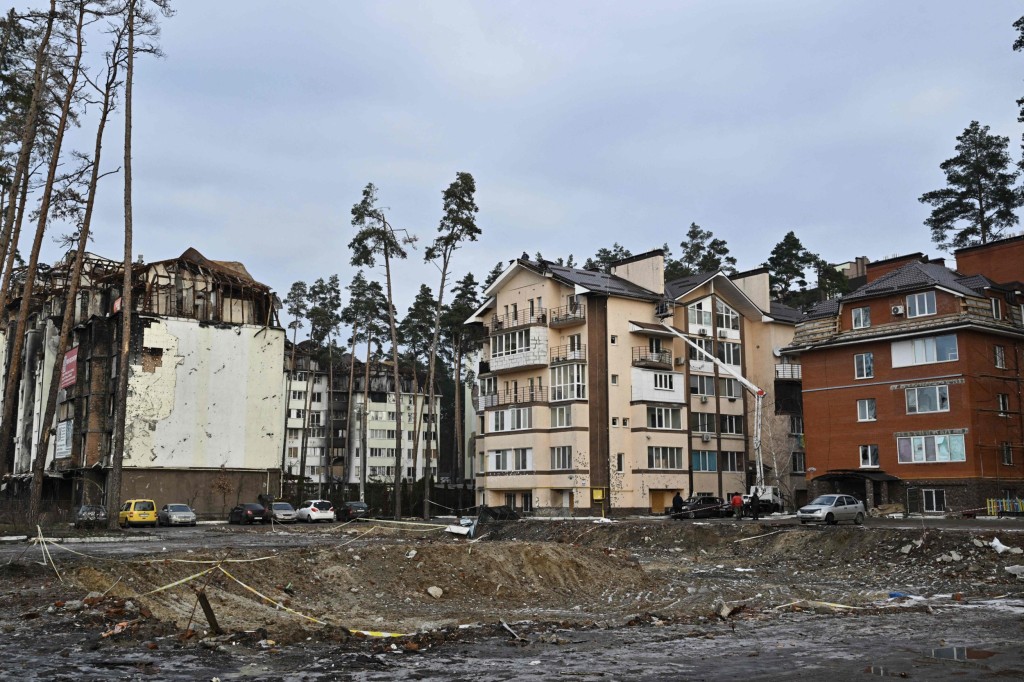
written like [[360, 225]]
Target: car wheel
[[830, 519], [859, 519], [803, 521]]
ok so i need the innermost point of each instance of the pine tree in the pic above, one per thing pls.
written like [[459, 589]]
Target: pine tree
[[702, 252]]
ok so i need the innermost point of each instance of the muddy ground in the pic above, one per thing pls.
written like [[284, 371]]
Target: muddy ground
[[525, 599]]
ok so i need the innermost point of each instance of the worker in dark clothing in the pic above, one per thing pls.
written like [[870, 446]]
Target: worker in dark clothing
[[755, 505], [677, 503]]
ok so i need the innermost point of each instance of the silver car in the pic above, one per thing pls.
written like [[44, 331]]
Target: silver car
[[283, 512], [176, 515], [832, 509]]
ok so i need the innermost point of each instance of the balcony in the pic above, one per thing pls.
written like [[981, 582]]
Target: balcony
[[655, 359], [567, 315], [563, 354], [522, 318], [531, 358], [568, 392], [537, 394], [790, 372]]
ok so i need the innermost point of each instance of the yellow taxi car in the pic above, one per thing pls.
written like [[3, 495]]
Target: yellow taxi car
[[137, 513]]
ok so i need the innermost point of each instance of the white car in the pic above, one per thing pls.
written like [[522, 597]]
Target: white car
[[316, 510], [832, 509]]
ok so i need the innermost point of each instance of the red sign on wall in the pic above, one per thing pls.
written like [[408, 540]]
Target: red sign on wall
[[69, 370]]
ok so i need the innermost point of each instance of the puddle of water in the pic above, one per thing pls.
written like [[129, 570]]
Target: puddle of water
[[959, 653]]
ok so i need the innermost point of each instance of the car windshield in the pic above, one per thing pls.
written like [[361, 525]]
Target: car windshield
[[825, 500], [283, 506], [178, 508], [357, 505], [322, 504]]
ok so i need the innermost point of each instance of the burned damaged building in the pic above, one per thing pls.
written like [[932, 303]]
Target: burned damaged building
[[204, 410]]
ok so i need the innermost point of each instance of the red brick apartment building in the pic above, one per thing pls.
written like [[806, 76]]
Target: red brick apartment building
[[912, 383]]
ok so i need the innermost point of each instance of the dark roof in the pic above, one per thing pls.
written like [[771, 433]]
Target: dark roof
[[598, 282], [678, 287], [822, 309], [917, 276], [785, 313], [648, 326]]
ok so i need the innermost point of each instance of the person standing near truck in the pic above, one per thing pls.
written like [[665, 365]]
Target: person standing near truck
[[737, 506], [755, 505]]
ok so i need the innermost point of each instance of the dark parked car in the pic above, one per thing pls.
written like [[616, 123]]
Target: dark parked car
[[249, 512], [703, 507], [91, 516], [350, 511]]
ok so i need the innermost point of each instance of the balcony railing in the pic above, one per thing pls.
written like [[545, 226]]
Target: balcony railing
[[788, 372], [521, 318], [575, 313], [645, 357], [536, 394], [561, 354]]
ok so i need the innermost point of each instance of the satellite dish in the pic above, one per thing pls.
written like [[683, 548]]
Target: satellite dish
[[777, 351]]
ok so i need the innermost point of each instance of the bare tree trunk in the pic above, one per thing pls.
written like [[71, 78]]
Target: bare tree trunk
[[459, 454], [15, 238], [28, 137], [365, 424], [127, 306], [69, 299], [432, 420], [305, 429], [18, 345], [329, 450], [349, 411], [287, 401], [398, 390]]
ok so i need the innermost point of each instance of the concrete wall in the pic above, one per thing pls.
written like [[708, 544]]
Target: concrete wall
[[206, 397]]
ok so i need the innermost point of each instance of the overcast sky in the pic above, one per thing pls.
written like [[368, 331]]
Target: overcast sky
[[584, 123]]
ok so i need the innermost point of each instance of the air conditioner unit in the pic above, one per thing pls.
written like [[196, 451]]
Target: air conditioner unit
[[722, 333], [703, 398], [680, 362], [897, 310], [706, 437], [702, 332]]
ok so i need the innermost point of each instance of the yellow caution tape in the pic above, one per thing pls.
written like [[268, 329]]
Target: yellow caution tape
[[178, 582], [263, 596], [374, 633]]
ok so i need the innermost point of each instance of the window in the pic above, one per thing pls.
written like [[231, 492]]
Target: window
[[868, 456], [659, 457], [921, 304], [317, 397], [864, 365], [510, 343], [296, 414], [298, 395], [702, 385], [569, 382], [314, 418], [732, 461], [620, 461], [927, 399], [664, 418], [615, 380], [625, 422], [997, 309], [500, 459], [294, 433], [523, 459], [614, 340], [934, 500], [1003, 402], [729, 353], [528, 499], [706, 345], [1007, 451], [732, 424], [561, 457], [799, 462], [1000, 357], [861, 317], [561, 416], [663, 381], [615, 422], [924, 351], [699, 313], [726, 317], [498, 423], [796, 425], [293, 451], [917, 449], [730, 388], [866, 410], [702, 422], [704, 460], [520, 418]]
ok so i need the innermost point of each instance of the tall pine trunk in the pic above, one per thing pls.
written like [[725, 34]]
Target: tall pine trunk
[[18, 345], [127, 305], [459, 453], [365, 425], [398, 390], [349, 410], [433, 422]]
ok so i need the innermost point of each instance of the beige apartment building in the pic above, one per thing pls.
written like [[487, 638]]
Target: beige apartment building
[[589, 401]]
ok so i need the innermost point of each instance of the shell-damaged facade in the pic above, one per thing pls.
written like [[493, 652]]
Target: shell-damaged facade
[[205, 404]]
